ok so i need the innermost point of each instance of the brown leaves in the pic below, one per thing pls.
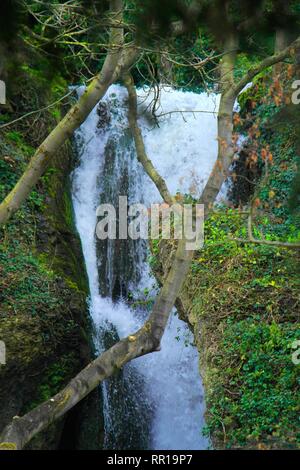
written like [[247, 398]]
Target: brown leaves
[[252, 159], [276, 92], [266, 155], [284, 166], [277, 100], [234, 140], [223, 144], [179, 198], [254, 131], [256, 202], [290, 71], [237, 119], [234, 177]]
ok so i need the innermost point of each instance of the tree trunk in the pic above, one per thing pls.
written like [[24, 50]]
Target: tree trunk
[[225, 124], [282, 40], [139, 143]]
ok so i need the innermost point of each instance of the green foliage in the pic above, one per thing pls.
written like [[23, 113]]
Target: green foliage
[[246, 299], [153, 256], [243, 63], [14, 153], [38, 75], [8, 178], [256, 394], [14, 136], [190, 78], [23, 286], [55, 377]]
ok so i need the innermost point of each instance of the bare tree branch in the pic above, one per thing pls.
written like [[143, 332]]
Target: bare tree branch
[[139, 143], [268, 62], [36, 111], [293, 246], [119, 59]]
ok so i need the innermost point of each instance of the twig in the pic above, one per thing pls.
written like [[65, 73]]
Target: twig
[[295, 246], [7, 124]]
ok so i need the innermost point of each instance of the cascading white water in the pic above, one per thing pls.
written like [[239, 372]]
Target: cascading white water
[[182, 145]]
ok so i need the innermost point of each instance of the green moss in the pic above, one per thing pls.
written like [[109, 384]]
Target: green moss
[[37, 75], [43, 287], [58, 88], [68, 209], [58, 213], [54, 378]]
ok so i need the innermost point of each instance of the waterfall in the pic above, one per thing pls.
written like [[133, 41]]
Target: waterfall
[[156, 402]]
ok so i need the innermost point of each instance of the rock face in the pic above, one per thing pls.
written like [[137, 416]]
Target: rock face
[[44, 321], [46, 342]]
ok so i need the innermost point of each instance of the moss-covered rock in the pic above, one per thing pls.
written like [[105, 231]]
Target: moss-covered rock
[[43, 286]]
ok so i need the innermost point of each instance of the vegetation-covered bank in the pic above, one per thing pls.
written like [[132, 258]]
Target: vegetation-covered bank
[[242, 299], [43, 288], [243, 311]]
